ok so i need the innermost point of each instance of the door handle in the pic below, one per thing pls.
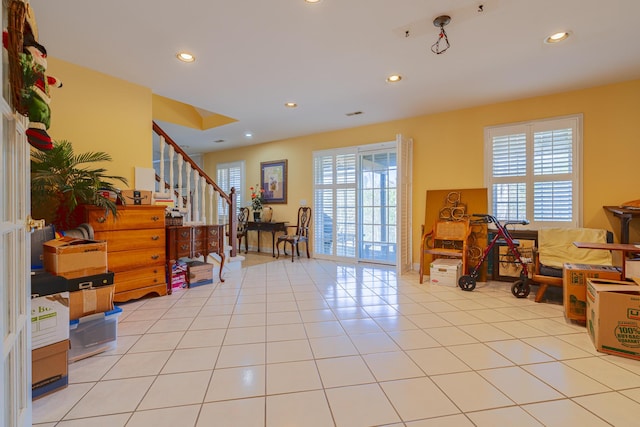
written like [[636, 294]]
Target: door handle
[[34, 224]]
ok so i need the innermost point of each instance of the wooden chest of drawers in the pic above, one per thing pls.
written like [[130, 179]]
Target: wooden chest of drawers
[[193, 242], [135, 248]]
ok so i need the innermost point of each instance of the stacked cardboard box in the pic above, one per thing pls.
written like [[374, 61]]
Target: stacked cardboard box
[[80, 267], [613, 317], [49, 341], [574, 287], [71, 257], [200, 273]]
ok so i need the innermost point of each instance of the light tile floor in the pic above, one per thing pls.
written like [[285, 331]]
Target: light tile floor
[[315, 343]]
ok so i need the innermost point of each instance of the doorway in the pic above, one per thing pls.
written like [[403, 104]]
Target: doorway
[[362, 203]]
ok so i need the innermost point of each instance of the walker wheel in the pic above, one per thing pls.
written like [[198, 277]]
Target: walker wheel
[[467, 283], [520, 289]]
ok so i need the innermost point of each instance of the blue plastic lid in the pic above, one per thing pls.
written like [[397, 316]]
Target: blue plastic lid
[[116, 310]]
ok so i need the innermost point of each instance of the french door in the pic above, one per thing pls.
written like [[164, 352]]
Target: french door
[[362, 203], [377, 210], [15, 280], [15, 284]]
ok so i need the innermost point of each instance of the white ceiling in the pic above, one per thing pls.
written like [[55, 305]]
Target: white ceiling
[[332, 57]]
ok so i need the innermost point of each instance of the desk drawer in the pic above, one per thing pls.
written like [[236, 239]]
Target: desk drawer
[[126, 239], [134, 279], [128, 260], [130, 218], [179, 233]]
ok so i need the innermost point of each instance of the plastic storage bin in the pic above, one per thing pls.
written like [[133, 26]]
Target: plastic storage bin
[[93, 334]]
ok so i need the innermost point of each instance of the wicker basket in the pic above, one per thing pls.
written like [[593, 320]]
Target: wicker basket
[[173, 221]]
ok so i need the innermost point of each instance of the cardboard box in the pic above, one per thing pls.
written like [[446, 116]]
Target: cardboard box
[[94, 334], [49, 319], [445, 271], [136, 197], [49, 369], [90, 301], [613, 317], [199, 271], [574, 281], [71, 257], [632, 268]]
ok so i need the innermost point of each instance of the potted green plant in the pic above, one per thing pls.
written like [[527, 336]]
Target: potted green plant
[[62, 180]]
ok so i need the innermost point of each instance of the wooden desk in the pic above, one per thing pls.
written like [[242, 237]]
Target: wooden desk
[[625, 215], [192, 242], [271, 226], [624, 247]]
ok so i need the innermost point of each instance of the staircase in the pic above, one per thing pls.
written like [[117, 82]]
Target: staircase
[[195, 196]]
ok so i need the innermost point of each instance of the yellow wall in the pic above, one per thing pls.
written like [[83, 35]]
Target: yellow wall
[[101, 113], [97, 112], [448, 150]]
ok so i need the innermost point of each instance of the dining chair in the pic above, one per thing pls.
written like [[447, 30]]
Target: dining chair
[[296, 234]]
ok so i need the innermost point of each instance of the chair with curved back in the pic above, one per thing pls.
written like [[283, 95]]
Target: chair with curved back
[[241, 230], [297, 233]]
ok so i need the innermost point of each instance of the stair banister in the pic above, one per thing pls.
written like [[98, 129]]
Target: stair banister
[[229, 199]]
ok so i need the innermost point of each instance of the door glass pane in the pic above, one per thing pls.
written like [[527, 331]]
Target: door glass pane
[[378, 178], [323, 222], [5, 173], [5, 63], [8, 392], [5, 285], [346, 222]]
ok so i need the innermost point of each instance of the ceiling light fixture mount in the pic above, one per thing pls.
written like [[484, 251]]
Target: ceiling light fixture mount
[[440, 22], [185, 57], [394, 78], [557, 37]]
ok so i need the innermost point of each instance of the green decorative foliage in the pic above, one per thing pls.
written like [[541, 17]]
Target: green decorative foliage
[[62, 180]]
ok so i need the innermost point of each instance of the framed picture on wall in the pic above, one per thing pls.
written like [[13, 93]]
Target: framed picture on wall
[[273, 180]]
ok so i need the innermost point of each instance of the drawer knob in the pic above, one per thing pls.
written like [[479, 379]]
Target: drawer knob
[[155, 218], [101, 219], [155, 271], [155, 256], [155, 237]]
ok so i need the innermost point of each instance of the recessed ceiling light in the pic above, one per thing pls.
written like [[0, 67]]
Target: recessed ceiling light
[[312, 1], [248, 134], [557, 37], [186, 57], [394, 78], [290, 104]]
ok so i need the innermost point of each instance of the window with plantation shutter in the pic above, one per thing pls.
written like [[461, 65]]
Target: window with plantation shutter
[[335, 203], [230, 175], [532, 171]]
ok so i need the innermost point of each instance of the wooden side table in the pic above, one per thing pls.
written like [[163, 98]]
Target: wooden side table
[[624, 247], [625, 216], [192, 242]]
